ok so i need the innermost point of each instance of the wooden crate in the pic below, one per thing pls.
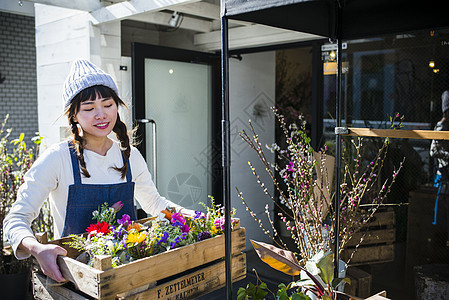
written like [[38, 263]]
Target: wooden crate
[[378, 242], [360, 282], [182, 273]]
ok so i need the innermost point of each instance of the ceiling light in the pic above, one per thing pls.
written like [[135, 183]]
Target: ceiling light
[[174, 19]]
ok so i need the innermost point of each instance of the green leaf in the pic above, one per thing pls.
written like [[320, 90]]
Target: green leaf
[[252, 292], [282, 293], [326, 265], [338, 281], [260, 294], [37, 140], [241, 294], [300, 296]]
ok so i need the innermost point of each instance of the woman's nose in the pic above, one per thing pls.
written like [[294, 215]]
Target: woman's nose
[[100, 113]]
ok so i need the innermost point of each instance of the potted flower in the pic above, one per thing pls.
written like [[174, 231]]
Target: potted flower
[[302, 179], [15, 160]]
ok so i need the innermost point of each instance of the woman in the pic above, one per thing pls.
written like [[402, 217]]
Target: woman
[[82, 173]]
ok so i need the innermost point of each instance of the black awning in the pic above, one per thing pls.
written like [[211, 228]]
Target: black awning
[[359, 18]]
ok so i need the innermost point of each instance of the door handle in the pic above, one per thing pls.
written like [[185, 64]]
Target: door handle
[[153, 123]]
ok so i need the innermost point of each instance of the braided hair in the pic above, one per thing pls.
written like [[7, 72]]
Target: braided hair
[[119, 129]]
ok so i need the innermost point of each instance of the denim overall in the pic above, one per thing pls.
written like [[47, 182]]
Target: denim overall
[[441, 210], [83, 199]]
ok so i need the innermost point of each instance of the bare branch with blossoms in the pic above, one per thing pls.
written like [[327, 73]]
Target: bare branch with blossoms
[[305, 192]]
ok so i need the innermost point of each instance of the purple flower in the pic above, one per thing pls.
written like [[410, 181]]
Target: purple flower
[[177, 224], [118, 233], [164, 238], [204, 235], [124, 221], [199, 215], [124, 241], [173, 244]]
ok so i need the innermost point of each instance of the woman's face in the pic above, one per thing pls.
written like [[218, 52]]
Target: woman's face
[[97, 117]]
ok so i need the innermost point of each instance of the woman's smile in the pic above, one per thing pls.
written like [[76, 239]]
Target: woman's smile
[[102, 125]]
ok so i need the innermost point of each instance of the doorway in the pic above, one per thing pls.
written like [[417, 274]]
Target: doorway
[[175, 99]]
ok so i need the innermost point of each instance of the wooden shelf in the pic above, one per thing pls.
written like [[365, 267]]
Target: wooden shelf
[[399, 133]]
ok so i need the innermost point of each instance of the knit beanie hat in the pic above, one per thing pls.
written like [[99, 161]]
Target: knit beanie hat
[[83, 75]]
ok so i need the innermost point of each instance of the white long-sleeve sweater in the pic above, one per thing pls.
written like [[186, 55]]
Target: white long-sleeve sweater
[[50, 177]]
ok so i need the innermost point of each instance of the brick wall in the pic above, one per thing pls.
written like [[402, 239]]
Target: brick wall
[[18, 91]]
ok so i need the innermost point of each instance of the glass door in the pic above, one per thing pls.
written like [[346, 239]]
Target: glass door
[[177, 101], [174, 108]]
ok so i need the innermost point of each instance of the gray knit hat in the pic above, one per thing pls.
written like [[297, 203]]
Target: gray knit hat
[[83, 75], [445, 101]]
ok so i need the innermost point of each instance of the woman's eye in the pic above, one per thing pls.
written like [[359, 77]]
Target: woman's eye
[[108, 105], [88, 109]]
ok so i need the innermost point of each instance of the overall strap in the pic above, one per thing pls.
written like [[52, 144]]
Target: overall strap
[[129, 176], [75, 164]]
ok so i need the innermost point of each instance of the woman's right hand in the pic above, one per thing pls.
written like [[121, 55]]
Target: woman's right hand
[[46, 255]]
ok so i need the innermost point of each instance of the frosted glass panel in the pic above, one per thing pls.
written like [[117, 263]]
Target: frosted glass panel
[[178, 98]]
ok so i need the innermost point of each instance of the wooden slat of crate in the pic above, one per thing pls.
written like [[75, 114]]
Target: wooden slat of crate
[[382, 218], [379, 296], [370, 237], [107, 284], [370, 254], [360, 282], [377, 245], [44, 292], [190, 286], [194, 284]]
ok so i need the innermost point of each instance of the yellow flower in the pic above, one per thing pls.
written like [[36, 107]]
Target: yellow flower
[[215, 231], [136, 237]]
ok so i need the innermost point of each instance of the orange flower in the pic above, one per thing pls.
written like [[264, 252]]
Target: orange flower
[[133, 225], [168, 214]]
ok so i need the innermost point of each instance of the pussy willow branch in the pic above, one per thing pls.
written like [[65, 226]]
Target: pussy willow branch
[[248, 140], [267, 232], [364, 219], [305, 218]]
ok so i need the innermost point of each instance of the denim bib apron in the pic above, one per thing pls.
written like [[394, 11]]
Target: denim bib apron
[[83, 199]]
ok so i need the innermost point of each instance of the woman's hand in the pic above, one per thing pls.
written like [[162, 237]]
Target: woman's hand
[[187, 212], [46, 255]]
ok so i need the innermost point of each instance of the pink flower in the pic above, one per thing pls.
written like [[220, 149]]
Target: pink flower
[[117, 206], [291, 167], [178, 217], [185, 228], [220, 223]]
